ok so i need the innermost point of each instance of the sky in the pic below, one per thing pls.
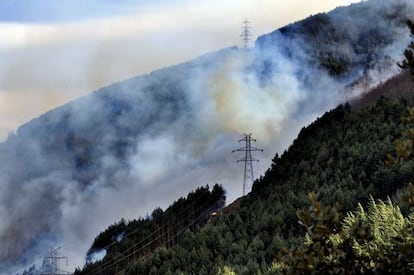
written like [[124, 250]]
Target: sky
[[52, 52]]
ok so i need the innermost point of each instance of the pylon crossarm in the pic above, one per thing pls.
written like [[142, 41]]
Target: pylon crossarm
[[247, 160], [246, 136], [240, 150], [255, 149], [247, 139]]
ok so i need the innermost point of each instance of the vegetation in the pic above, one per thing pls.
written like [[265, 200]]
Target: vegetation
[[348, 157], [126, 241], [374, 241], [377, 241], [341, 155], [339, 44], [408, 62]]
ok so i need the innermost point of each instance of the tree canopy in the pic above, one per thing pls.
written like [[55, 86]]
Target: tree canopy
[[341, 156], [408, 62]]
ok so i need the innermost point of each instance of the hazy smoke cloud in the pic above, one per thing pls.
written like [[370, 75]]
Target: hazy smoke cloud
[[96, 256], [54, 52], [139, 144]]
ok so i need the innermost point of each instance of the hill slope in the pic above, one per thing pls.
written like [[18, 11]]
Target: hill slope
[[140, 143], [341, 156]]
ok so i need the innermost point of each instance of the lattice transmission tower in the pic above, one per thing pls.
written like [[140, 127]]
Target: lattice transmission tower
[[248, 159], [246, 33], [54, 259]]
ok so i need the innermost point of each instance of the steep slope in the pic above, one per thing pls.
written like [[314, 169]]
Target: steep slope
[[161, 229], [345, 41], [341, 156], [140, 143], [398, 86]]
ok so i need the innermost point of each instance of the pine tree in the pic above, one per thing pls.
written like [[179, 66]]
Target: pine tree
[[408, 62]]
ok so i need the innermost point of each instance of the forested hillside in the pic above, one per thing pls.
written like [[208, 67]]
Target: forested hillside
[[342, 41], [143, 142], [125, 242], [341, 157]]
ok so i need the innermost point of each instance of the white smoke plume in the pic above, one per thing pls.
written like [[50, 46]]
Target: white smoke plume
[[144, 142], [96, 256]]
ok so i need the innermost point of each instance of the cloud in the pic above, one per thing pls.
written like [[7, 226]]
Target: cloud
[[64, 59], [74, 10], [51, 11]]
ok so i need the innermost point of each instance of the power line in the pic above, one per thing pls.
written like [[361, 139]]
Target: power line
[[124, 237], [248, 159], [142, 245], [245, 33]]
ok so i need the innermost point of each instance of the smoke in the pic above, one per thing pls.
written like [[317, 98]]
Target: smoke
[[96, 256], [142, 143], [238, 102], [54, 52]]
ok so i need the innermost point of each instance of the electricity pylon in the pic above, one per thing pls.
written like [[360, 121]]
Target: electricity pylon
[[54, 259], [248, 159], [245, 33]]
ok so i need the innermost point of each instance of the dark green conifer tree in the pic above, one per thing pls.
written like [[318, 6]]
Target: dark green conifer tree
[[408, 62]]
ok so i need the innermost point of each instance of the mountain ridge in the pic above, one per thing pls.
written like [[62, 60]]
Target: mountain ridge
[[133, 136]]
